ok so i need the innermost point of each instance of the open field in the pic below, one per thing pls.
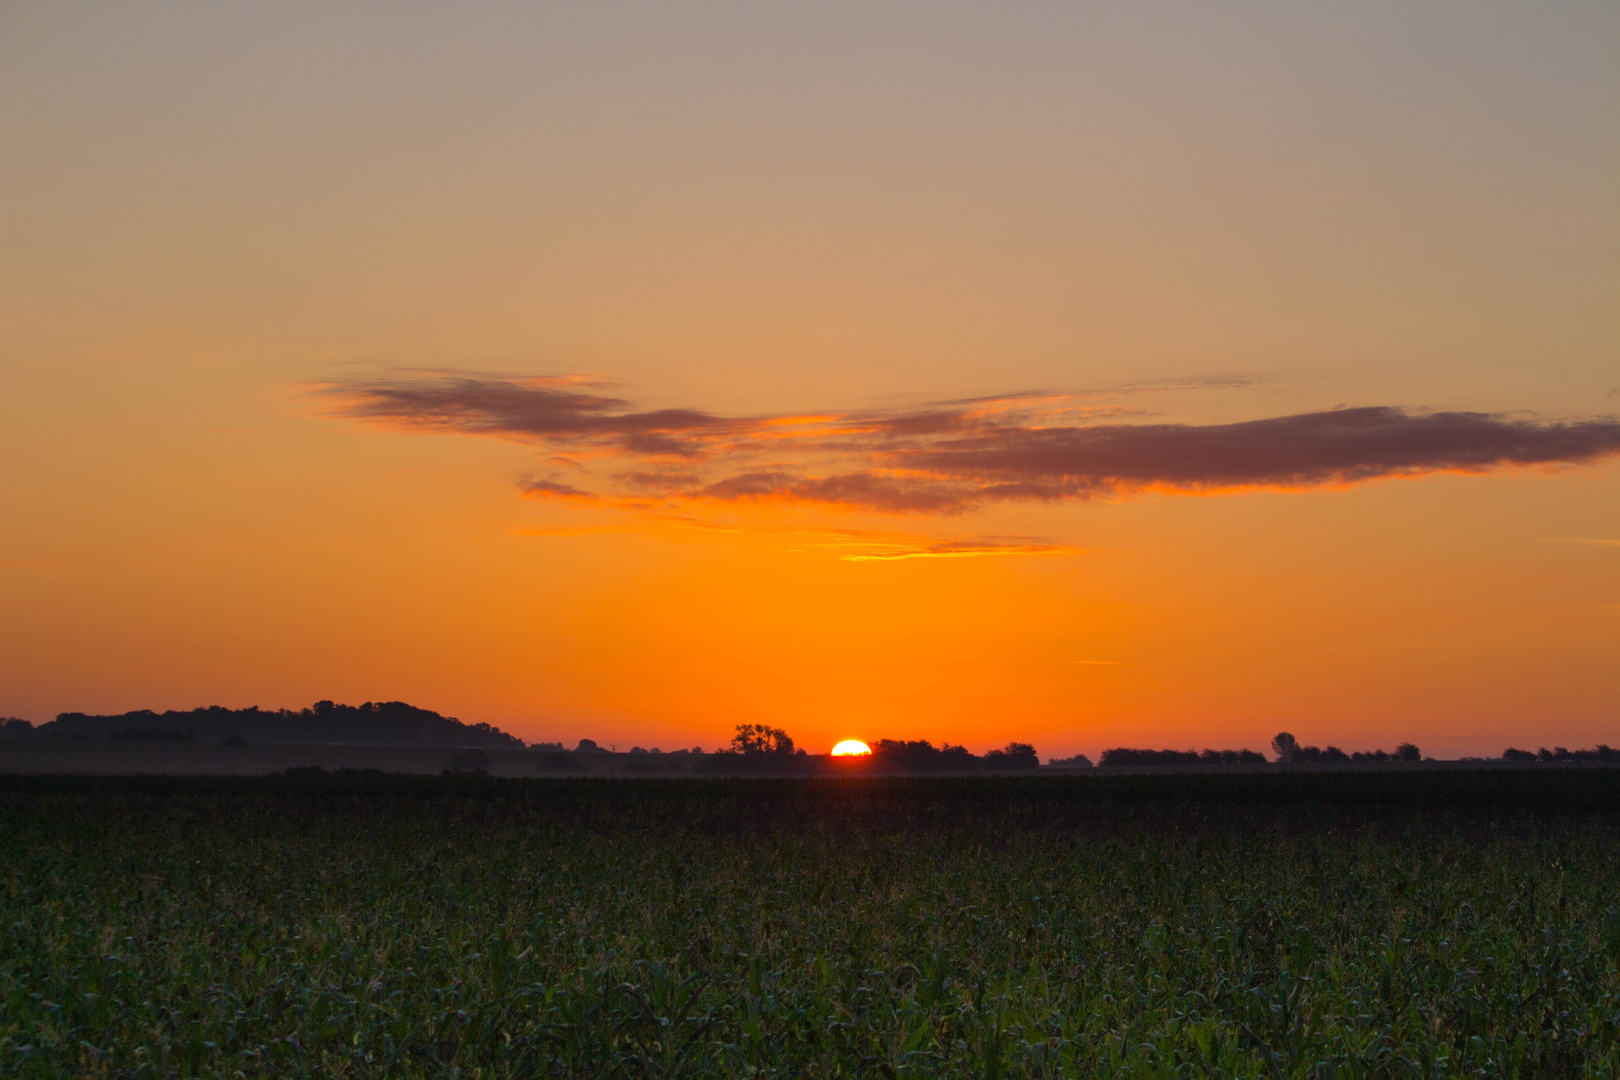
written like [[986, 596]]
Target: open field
[[1239, 926]]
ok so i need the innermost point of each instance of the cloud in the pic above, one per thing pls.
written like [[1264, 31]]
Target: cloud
[[961, 549], [853, 545], [899, 494], [550, 489], [951, 457], [968, 464], [1339, 447], [550, 411]]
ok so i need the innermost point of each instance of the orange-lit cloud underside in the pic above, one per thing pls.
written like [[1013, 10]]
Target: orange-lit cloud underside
[[950, 457]]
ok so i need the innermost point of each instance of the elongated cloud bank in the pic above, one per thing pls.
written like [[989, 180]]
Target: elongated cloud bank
[[953, 456]]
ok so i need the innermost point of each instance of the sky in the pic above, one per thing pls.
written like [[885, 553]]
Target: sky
[[1145, 374]]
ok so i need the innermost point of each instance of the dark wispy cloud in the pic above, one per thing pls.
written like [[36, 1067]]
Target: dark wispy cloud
[[954, 456]]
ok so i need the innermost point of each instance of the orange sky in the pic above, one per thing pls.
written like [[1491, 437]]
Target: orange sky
[[309, 315]]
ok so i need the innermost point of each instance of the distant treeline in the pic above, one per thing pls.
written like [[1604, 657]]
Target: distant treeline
[[1601, 752], [759, 749], [1285, 747], [383, 723], [1121, 755], [755, 749], [920, 755]]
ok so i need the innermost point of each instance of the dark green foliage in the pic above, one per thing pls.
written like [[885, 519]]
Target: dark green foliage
[[362, 925]]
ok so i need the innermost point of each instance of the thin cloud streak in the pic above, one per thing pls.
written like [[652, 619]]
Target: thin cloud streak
[[963, 549], [951, 457], [857, 545]]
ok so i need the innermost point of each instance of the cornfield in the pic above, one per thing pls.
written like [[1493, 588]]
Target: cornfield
[[398, 927]]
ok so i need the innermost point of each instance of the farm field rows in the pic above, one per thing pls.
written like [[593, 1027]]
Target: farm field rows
[[1415, 925]]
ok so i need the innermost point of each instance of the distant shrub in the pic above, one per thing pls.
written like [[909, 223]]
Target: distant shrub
[[1510, 754], [12, 728], [468, 761], [545, 747], [1079, 761]]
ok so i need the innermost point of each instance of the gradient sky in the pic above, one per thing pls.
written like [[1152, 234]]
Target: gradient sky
[[1142, 374]]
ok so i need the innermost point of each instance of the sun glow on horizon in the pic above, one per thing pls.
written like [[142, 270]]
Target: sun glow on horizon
[[851, 748]]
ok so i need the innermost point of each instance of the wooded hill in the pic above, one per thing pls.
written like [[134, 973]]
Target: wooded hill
[[379, 723]]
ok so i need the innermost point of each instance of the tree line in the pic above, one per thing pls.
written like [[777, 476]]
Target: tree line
[[760, 747], [753, 747], [381, 723]]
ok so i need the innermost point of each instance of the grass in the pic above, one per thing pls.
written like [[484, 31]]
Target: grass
[[1428, 925]]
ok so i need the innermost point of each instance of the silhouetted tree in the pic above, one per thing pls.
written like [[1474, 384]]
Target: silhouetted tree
[[1511, 754], [756, 739], [1408, 752], [1015, 755], [12, 728], [1284, 746], [920, 755]]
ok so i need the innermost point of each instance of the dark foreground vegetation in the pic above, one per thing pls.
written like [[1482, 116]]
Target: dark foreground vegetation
[[1252, 925]]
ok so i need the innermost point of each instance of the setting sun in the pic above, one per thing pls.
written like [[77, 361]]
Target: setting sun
[[851, 747]]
